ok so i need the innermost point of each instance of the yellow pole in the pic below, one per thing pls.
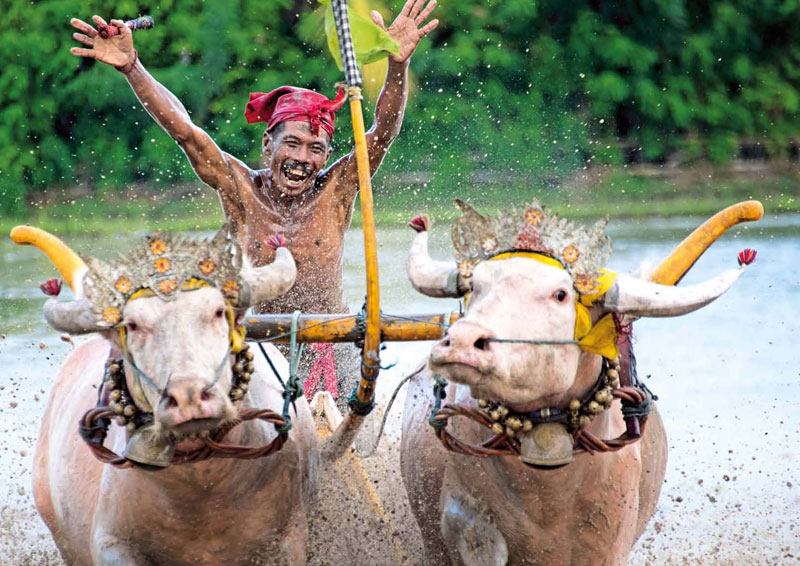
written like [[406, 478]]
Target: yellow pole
[[370, 364]]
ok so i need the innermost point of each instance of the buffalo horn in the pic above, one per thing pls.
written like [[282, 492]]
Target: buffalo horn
[[74, 317], [69, 264], [635, 297], [269, 281], [429, 277]]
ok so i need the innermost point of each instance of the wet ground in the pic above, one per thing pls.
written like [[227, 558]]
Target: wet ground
[[728, 380]]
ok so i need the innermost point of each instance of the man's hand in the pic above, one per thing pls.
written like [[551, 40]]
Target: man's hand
[[405, 29], [117, 50]]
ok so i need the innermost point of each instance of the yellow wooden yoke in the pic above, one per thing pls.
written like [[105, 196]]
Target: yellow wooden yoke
[[600, 338]]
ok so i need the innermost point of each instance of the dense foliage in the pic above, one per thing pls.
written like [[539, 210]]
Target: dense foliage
[[514, 85]]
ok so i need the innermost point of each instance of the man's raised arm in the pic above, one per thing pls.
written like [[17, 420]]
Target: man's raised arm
[[407, 30], [208, 161]]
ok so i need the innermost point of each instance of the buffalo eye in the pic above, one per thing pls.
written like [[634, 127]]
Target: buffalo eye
[[219, 312], [560, 295], [131, 326]]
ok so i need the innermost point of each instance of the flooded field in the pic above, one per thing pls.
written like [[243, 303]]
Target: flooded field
[[727, 377]]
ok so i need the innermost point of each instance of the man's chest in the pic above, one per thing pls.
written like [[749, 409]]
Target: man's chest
[[314, 233]]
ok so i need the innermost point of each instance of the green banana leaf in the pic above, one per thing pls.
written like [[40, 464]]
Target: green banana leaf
[[370, 42]]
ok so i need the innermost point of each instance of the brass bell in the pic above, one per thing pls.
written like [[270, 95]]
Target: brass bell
[[238, 367], [129, 410], [118, 408], [574, 405], [245, 376], [122, 421], [494, 415], [115, 395], [236, 393], [526, 425], [497, 428], [250, 367], [248, 356], [594, 407], [612, 374], [243, 386], [114, 368], [131, 427], [548, 444], [502, 410], [584, 421], [483, 403], [513, 423], [145, 447]]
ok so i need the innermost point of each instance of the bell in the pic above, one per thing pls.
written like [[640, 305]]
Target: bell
[[248, 356], [148, 448], [548, 445]]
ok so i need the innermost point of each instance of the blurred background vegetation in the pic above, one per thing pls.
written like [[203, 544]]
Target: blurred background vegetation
[[594, 104]]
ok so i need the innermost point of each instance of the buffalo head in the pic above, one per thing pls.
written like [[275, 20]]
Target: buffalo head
[[175, 331], [528, 338]]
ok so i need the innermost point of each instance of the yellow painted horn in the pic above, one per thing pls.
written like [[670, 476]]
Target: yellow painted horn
[[68, 263], [683, 257]]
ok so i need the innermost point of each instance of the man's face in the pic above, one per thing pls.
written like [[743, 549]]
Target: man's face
[[295, 156]]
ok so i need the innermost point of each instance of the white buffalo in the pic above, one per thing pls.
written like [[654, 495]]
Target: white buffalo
[[510, 376], [217, 511]]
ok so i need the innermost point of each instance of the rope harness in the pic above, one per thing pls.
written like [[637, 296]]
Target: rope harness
[[115, 401], [618, 378]]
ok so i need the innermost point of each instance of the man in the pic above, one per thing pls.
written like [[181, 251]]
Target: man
[[296, 196]]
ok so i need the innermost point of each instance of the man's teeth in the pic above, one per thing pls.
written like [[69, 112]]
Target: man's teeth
[[299, 174]]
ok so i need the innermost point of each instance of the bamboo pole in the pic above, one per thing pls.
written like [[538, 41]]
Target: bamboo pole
[[370, 363], [336, 328], [362, 401]]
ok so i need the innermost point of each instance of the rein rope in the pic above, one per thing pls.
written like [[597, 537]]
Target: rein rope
[[93, 427], [636, 401]]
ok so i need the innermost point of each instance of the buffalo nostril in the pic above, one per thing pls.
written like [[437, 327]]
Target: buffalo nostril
[[205, 395], [482, 344], [172, 402], [446, 342]]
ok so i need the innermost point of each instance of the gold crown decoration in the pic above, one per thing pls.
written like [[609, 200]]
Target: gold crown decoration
[[583, 251], [164, 265]]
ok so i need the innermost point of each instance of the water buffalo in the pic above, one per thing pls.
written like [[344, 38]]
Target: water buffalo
[[520, 367], [177, 351]]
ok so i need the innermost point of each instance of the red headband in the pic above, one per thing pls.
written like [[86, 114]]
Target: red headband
[[291, 103]]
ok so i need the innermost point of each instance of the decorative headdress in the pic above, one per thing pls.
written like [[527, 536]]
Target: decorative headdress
[[164, 265], [582, 251]]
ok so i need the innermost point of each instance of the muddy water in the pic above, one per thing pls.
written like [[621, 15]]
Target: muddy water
[[728, 380]]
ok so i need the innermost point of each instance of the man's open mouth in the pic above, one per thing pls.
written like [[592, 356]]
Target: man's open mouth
[[294, 173]]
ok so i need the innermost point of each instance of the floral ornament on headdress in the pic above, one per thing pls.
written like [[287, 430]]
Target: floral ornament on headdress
[[583, 251], [163, 264]]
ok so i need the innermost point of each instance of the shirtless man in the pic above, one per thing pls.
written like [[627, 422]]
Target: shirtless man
[[296, 196]]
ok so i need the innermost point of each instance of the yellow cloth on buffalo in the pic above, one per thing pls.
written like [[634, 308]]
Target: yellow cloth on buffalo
[[600, 338]]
